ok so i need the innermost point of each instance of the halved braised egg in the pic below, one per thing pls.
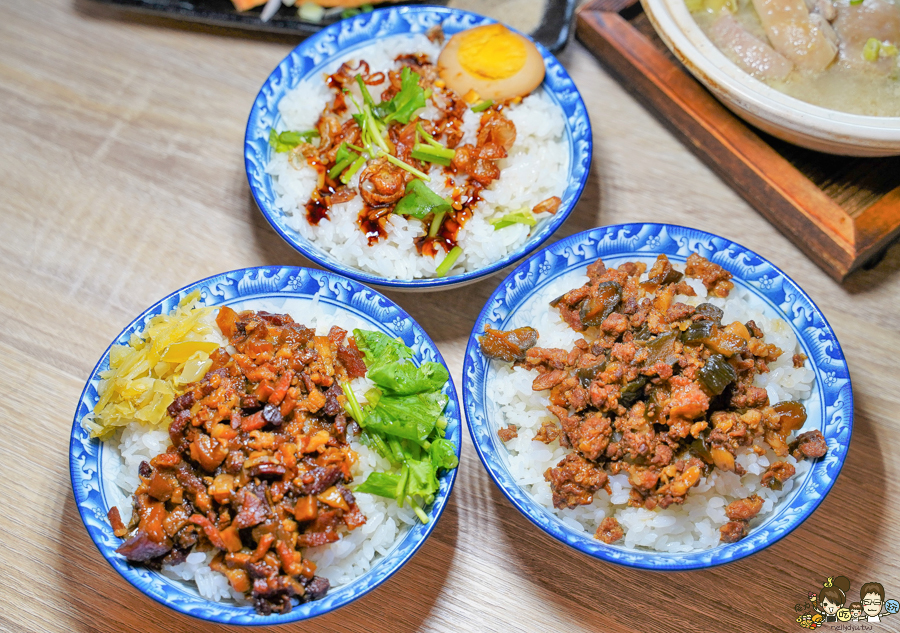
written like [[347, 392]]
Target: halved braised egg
[[492, 61]]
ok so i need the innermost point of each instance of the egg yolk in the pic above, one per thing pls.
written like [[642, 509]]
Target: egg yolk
[[492, 52]]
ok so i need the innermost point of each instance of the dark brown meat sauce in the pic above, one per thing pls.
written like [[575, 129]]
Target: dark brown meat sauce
[[258, 465], [658, 389]]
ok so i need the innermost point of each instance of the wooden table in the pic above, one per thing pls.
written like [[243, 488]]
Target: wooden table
[[123, 180]]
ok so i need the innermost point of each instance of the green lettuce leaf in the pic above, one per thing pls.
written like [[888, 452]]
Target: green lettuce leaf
[[403, 420], [381, 484], [419, 201], [443, 454], [405, 379], [380, 349], [406, 102], [422, 481], [410, 417], [286, 141]]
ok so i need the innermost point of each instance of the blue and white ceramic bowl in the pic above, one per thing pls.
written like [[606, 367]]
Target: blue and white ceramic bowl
[[830, 405], [338, 41], [275, 289]]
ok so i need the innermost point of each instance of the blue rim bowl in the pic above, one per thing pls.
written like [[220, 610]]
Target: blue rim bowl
[[243, 289], [338, 41], [831, 400]]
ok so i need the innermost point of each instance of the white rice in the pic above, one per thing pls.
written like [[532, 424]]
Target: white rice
[[536, 169], [679, 528], [340, 562]]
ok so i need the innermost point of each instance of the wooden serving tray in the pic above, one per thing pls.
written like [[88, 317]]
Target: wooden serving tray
[[841, 211]]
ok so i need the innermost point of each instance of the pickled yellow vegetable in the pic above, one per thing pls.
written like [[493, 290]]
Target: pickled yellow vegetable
[[145, 376], [183, 351]]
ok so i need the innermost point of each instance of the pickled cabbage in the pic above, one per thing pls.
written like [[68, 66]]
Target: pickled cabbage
[[145, 376]]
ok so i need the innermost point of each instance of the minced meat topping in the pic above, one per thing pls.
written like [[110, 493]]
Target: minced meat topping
[[658, 389]]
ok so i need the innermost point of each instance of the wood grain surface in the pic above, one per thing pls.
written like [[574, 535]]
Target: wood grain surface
[[123, 180]]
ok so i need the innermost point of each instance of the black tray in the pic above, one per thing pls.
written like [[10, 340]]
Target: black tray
[[553, 31]]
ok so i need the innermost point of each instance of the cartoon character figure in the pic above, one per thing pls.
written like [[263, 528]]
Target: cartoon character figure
[[833, 596], [871, 595], [855, 611]]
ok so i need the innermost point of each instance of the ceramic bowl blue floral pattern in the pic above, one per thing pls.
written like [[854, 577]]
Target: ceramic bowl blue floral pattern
[[831, 401], [337, 42], [270, 288]]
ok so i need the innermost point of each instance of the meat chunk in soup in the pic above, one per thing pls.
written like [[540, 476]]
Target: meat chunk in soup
[[751, 54], [856, 23], [795, 35]]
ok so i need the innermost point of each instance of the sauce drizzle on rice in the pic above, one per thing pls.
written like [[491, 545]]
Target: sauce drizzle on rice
[[513, 151], [381, 186]]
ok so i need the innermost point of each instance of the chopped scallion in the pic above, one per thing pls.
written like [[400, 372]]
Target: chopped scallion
[[342, 160], [419, 512], [401, 485], [519, 217], [436, 222], [399, 163], [367, 97], [335, 171], [432, 154], [352, 404], [445, 266], [355, 167], [870, 50], [484, 105]]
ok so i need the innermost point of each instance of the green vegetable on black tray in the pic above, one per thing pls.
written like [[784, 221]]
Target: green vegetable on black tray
[[403, 421]]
